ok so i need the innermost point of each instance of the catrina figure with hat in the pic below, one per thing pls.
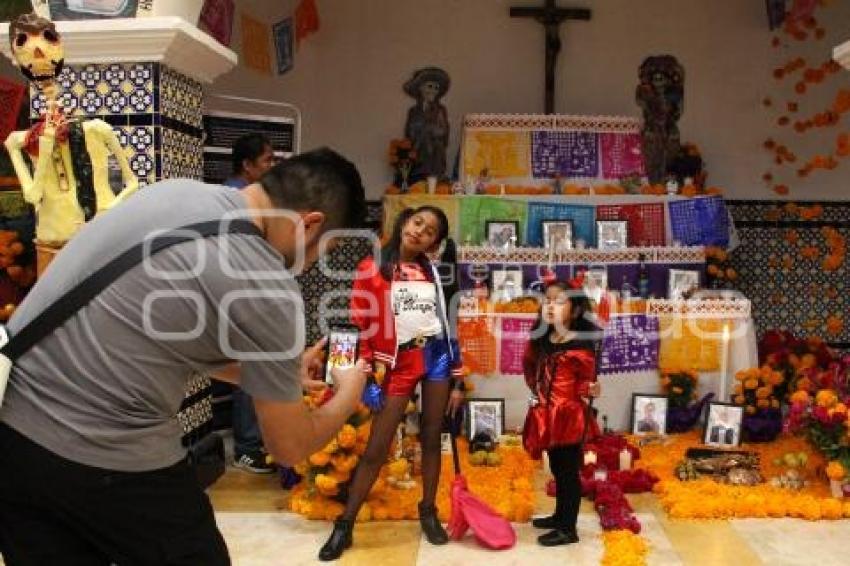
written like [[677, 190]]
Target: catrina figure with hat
[[69, 181], [428, 122]]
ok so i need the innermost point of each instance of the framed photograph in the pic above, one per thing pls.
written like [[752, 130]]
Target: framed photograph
[[341, 349], [92, 9], [500, 232], [649, 414], [680, 282], [723, 425], [557, 234], [486, 416], [612, 234], [596, 282], [507, 283], [283, 35]]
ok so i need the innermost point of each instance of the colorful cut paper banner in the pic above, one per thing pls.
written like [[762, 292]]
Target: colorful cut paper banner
[[475, 211], [701, 221], [501, 154], [621, 155], [565, 154], [394, 206], [255, 44], [306, 19], [583, 217], [630, 344], [217, 19], [646, 222], [515, 335], [477, 344], [690, 343], [282, 34]]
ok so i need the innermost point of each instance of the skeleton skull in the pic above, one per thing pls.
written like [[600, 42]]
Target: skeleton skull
[[37, 47]]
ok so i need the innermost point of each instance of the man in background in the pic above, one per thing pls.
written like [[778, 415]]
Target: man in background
[[253, 155]]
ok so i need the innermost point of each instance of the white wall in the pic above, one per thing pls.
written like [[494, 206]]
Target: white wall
[[347, 78]]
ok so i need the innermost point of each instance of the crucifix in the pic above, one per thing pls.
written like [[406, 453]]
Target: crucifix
[[551, 17]]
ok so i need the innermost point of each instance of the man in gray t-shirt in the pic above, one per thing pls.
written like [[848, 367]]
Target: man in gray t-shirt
[[100, 395]]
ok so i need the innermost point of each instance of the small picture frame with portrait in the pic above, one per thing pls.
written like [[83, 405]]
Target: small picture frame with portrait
[[612, 234], [557, 235]]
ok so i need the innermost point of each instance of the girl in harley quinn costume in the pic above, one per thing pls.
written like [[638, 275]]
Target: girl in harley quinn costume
[[560, 370], [399, 305]]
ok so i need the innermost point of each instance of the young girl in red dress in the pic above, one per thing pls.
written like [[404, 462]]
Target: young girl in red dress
[[399, 305], [560, 370]]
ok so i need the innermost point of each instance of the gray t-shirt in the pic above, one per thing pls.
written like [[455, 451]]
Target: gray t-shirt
[[105, 388]]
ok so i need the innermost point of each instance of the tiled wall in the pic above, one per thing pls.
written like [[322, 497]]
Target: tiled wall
[[156, 112], [798, 298]]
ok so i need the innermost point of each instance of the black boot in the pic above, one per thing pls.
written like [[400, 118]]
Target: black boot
[[434, 531], [558, 537], [339, 540], [550, 522]]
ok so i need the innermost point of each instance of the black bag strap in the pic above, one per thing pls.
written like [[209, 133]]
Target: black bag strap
[[79, 296]]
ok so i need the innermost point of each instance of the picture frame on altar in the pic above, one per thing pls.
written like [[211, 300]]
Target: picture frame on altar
[[486, 416], [681, 282], [723, 425], [612, 234], [507, 284], [557, 234], [595, 283], [501, 233], [649, 414]]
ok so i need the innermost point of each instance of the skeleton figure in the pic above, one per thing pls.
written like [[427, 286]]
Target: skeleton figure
[[660, 95], [69, 182]]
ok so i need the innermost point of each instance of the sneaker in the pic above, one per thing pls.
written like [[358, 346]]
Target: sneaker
[[256, 462]]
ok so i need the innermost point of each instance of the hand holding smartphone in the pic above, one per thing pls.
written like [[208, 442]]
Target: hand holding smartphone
[[342, 349]]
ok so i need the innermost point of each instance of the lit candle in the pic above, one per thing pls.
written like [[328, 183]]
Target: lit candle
[[625, 459], [589, 458]]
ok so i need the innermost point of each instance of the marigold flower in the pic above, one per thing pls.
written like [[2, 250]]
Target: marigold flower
[[751, 384], [826, 398], [835, 471]]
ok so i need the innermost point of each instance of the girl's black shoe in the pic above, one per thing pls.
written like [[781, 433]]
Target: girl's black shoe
[[339, 540], [550, 522], [558, 537], [434, 531]]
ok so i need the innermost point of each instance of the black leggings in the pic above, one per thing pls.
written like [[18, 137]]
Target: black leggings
[[435, 395], [565, 462]]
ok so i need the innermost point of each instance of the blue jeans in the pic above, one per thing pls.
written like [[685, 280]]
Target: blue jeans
[[246, 429]]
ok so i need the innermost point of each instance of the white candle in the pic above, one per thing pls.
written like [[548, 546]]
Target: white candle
[[625, 459], [589, 457], [724, 362]]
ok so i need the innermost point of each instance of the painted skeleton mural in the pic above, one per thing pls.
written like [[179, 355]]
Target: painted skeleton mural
[[69, 181]]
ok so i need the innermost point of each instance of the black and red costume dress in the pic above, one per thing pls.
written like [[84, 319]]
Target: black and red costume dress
[[559, 376]]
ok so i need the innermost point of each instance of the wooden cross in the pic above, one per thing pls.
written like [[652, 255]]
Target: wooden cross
[[551, 17]]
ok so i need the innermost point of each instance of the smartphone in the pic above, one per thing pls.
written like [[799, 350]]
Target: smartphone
[[342, 349]]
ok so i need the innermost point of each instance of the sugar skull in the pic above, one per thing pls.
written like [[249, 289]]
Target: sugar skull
[[37, 47]]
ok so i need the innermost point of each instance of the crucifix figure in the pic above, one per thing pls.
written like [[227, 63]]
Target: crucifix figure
[[551, 17]]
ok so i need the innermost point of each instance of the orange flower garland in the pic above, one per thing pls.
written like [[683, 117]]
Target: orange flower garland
[[623, 548], [508, 488], [706, 499]]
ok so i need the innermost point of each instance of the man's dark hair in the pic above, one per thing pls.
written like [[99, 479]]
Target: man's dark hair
[[320, 180], [250, 147]]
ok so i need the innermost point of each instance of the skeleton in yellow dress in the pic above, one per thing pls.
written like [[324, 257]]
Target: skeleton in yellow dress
[[69, 183]]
